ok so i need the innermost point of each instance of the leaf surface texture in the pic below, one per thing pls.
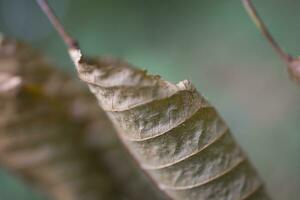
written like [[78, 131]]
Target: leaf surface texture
[[177, 137]]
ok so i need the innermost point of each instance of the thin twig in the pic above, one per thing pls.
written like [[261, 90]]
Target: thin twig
[[69, 41], [263, 28]]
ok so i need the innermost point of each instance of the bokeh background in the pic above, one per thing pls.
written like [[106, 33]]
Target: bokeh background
[[210, 42]]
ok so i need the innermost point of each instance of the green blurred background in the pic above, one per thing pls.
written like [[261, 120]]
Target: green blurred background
[[210, 42]]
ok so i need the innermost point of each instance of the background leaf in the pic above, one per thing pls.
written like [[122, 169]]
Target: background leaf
[[52, 137]]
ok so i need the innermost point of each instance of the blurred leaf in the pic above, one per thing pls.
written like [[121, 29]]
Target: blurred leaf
[[51, 136]]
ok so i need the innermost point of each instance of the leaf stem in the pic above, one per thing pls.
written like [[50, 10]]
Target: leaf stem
[[266, 33], [67, 38]]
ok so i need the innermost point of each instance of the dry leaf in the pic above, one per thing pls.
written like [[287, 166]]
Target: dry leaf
[[177, 137], [47, 133]]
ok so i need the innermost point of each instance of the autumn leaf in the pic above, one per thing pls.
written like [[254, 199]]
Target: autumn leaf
[[174, 133]]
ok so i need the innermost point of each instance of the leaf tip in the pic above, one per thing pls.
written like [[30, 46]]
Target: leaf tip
[[76, 56]]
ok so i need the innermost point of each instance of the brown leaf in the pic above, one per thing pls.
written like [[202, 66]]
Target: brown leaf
[[177, 137]]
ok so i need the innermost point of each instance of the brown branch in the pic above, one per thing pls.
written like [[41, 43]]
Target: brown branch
[[263, 28], [67, 38]]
